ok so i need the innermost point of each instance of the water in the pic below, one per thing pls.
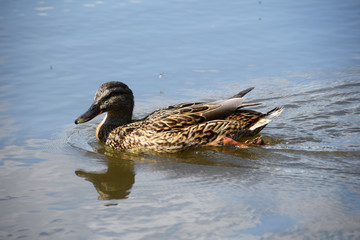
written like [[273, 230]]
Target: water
[[57, 182]]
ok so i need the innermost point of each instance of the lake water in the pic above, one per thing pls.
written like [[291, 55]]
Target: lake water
[[58, 182]]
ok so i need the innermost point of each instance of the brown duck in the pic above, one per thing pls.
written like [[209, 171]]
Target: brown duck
[[174, 128]]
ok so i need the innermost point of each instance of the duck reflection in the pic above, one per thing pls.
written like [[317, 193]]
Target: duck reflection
[[114, 183]]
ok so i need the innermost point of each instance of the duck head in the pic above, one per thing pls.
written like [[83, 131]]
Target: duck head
[[116, 99]]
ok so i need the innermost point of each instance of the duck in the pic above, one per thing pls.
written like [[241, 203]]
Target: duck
[[174, 128]]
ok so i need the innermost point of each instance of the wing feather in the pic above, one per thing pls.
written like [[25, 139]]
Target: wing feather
[[187, 114]]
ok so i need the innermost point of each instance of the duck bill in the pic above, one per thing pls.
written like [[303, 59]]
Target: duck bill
[[92, 112]]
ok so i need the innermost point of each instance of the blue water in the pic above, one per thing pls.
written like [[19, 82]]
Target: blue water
[[57, 182]]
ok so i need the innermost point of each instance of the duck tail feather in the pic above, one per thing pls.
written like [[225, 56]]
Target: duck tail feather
[[242, 93], [248, 105], [268, 117]]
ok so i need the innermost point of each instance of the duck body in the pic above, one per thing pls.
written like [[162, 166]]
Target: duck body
[[174, 128]]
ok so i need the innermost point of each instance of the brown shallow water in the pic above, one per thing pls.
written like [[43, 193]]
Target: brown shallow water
[[58, 182]]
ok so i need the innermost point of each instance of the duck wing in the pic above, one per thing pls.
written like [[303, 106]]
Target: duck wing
[[188, 114], [195, 105]]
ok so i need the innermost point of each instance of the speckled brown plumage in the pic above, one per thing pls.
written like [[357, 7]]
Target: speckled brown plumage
[[178, 127]]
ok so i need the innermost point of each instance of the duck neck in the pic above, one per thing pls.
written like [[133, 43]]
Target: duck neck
[[111, 121]]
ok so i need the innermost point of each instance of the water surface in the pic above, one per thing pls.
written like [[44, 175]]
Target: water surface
[[58, 182]]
